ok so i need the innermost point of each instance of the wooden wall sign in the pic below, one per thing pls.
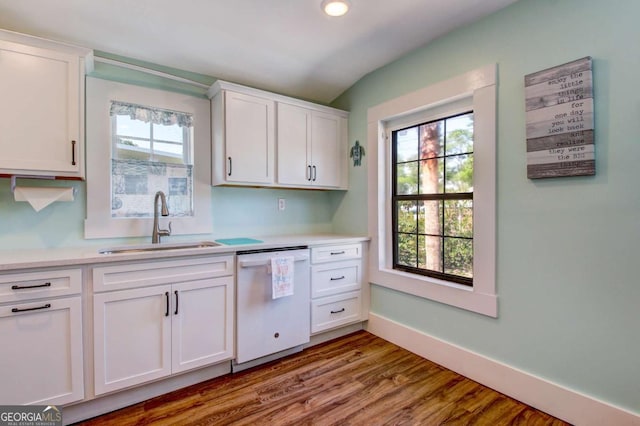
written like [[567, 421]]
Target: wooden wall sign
[[559, 105]]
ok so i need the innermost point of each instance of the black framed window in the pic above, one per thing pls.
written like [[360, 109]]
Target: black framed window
[[432, 198]]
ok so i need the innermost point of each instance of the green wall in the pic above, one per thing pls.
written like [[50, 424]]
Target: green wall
[[567, 257], [236, 212]]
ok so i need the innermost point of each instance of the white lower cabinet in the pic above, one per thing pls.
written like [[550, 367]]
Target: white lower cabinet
[[132, 337], [199, 303], [336, 285], [148, 333], [42, 338], [334, 311]]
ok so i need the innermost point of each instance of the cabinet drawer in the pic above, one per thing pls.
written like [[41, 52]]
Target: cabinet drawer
[[335, 277], [337, 252], [35, 285], [334, 311], [132, 275], [42, 352]]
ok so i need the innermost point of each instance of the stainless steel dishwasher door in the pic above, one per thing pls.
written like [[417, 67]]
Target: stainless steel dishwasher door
[[265, 325]]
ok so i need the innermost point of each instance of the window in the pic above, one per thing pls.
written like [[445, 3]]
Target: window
[[151, 151], [432, 198], [432, 194], [140, 141]]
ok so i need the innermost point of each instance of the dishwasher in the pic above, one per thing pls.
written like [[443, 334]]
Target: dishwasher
[[268, 328]]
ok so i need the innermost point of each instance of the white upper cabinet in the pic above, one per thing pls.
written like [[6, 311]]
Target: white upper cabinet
[[243, 139], [310, 148], [294, 145], [265, 139], [42, 106], [328, 158]]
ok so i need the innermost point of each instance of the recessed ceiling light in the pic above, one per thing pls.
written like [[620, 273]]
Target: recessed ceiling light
[[335, 7]]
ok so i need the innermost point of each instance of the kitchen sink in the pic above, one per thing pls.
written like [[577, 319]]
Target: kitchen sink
[[157, 247]]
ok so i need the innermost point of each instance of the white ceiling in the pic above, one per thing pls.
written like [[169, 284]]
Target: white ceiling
[[286, 46]]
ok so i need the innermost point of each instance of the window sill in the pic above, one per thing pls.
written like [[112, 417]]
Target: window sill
[[453, 294]]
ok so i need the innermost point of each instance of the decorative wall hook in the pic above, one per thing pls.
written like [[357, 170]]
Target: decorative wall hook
[[357, 152]]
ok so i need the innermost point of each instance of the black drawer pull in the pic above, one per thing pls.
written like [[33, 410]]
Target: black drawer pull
[[26, 287], [47, 306], [176, 312], [230, 166], [338, 311], [334, 253], [337, 279], [166, 294]]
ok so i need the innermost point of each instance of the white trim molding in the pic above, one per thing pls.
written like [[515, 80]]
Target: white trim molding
[[554, 399], [99, 223], [475, 89], [150, 71]]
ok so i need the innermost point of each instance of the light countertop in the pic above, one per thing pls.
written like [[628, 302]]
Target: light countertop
[[58, 257]]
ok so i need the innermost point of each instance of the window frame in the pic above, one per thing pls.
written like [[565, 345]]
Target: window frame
[[439, 196], [474, 90], [99, 223], [186, 144]]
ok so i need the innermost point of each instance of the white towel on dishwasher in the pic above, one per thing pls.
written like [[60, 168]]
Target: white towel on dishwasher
[[282, 276]]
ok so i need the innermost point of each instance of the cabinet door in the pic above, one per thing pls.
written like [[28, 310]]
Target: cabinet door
[[249, 138], [294, 140], [40, 110], [132, 337], [202, 323], [41, 355], [326, 158]]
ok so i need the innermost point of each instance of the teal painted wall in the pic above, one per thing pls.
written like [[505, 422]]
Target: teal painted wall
[[567, 283], [567, 257], [236, 212]]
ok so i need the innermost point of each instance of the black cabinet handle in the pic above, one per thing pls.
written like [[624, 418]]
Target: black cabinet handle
[[309, 173], [230, 166], [335, 253], [47, 306], [26, 287], [337, 278], [338, 311], [176, 293], [315, 173], [73, 153], [166, 294]]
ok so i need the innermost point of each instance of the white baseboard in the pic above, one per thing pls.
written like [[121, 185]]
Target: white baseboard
[[556, 400]]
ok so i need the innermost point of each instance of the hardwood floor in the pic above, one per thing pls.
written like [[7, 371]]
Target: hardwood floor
[[355, 380]]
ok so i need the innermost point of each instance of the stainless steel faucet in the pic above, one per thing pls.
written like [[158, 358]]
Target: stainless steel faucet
[[157, 232]]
